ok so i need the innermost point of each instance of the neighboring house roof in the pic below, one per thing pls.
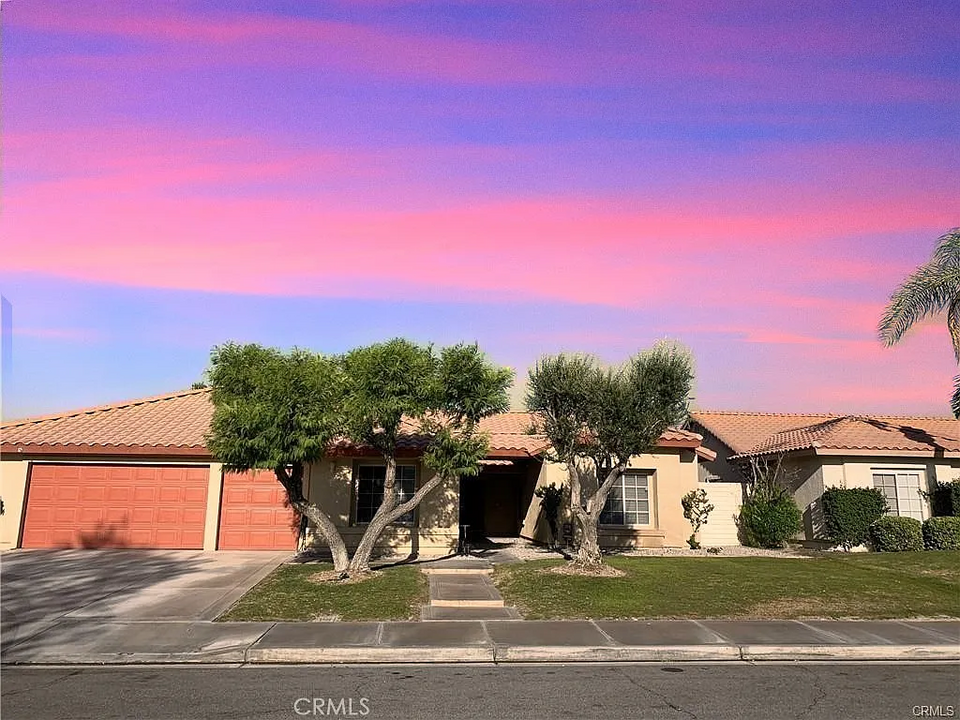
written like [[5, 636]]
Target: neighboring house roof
[[175, 424], [750, 434]]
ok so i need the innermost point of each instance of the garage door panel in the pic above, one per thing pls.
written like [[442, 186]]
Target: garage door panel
[[115, 506], [87, 515], [119, 494], [115, 515], [196, 495], [93, 493], [146, 493], [253, 515]]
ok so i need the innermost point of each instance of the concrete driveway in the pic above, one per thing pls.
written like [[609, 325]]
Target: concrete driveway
[[40, 588]]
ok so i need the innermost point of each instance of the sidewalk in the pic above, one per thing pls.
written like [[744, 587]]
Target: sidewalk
[[76, 641]]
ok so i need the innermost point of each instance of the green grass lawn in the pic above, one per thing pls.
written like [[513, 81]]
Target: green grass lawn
[[395, 593], [855, 585]]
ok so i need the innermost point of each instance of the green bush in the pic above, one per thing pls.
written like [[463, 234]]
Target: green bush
[[896, 534], [848, 514], [941, 533], [945, 499], [769, 520]]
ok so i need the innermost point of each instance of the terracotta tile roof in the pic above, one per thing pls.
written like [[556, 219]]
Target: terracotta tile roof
[[177, 422], [764, 433]]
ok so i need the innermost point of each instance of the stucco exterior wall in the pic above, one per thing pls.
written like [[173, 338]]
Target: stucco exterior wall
[[211, 522], [673, 474], [13, 485], [719, 469], [816, 473], [535, 526], [435, 530]]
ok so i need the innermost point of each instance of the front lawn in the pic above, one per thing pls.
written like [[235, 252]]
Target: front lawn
[[855, 585], [394, 593]]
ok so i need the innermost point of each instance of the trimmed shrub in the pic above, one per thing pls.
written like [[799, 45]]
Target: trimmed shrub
[[941, 533], [768, 521], [848, 514], [896, 534], [945, 499]]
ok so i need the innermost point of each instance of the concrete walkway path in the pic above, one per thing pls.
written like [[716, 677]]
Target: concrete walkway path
[[79, 641], [461, 589]]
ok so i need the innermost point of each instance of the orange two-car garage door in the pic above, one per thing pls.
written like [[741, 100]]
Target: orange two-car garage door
[[253, 514], [143, 506]]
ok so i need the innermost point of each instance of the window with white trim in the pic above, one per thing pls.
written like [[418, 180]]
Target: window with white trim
[[369, 489], [902, 491], [629, 501]]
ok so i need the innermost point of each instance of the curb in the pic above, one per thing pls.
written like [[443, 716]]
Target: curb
[[619, 653], [850, 652], [513, 654]]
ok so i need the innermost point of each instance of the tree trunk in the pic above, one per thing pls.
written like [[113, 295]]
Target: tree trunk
[[292, 481], [384, 517], [588, 554], [326, 528]]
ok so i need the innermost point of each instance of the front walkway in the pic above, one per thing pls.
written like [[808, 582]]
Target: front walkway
[[461, 589]]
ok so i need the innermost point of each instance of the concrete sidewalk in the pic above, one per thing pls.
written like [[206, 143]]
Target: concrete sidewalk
[[80, 641]]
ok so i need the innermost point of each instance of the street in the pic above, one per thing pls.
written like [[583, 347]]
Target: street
[[706, 691]]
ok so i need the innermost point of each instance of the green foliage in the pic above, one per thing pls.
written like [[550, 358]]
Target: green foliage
[[769, 519], [385, 382], [397, 381], [696, 508], [932, 289], [849, 512], [611, 414], [941, 533], [551, 500], [896, 534], [945, 499], [272, 408]]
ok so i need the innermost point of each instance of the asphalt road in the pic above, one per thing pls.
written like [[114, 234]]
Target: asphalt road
[[718, 691]]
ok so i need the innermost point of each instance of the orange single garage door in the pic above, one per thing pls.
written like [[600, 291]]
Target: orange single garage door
[[137, 506], [254, 514]]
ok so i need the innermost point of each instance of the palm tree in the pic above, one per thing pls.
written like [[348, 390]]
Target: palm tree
[[932, 289]]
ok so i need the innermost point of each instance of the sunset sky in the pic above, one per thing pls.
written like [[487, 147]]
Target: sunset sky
[[752, 179]]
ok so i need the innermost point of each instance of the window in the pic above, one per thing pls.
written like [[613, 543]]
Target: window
[[902, 491], [370, 480], [629, 501]]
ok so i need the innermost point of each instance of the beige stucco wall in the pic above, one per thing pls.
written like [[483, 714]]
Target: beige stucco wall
[[436, 526], [857, 472], [211, 522], [673, 474], [815, 474], [13, 484]]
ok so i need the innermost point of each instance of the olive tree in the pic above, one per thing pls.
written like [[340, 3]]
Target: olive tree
[[284, 411], [598, 418]]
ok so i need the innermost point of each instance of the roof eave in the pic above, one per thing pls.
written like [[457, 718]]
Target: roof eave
[[22, 450], [873, 452]]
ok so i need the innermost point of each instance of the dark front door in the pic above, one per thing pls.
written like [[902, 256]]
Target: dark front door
[[472, 506], [502, 504]]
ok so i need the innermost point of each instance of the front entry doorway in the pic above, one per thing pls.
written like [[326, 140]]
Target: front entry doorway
[[493, 503]]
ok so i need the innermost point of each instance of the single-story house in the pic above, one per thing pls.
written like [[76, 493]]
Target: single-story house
[[138, 474], [899, 455]]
